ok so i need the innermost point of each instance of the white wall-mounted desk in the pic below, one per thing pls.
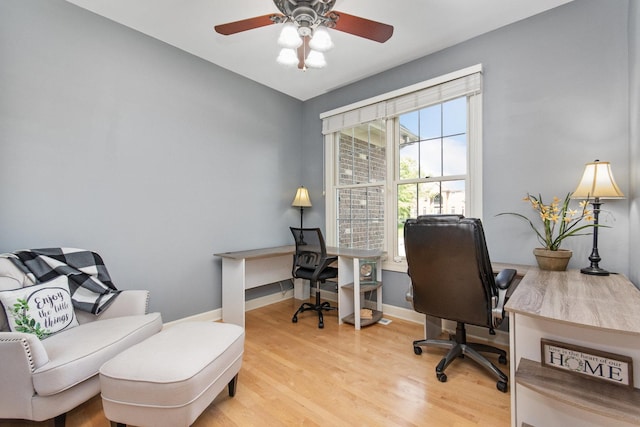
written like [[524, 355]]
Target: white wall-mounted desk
[[248, 269], [596, 312]]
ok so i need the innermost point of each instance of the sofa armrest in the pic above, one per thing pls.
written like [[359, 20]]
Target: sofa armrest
[[21, 354], [127, 303]]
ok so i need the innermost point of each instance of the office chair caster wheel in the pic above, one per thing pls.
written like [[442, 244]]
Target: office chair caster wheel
[[442, 377], [502, 386], [417, 350], [294, 319], [321, 325], [502, 360]]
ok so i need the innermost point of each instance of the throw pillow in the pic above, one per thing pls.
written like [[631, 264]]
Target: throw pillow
[[41, 309]]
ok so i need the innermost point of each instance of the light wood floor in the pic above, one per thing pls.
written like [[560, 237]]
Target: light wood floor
[[299, 375]]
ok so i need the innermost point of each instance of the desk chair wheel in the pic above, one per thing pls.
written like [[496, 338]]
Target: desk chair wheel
[[502, 386], [502, 359], [442, 377], [294, 319], [417, 350]]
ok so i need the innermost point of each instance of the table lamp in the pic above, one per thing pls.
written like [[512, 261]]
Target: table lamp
[[597, 183], [302, 201]]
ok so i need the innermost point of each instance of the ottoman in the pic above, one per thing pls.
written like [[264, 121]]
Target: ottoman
[[172, 377]]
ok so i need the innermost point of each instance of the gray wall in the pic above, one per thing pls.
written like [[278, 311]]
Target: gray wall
[[556, 96], [634, 134], [113, 141]]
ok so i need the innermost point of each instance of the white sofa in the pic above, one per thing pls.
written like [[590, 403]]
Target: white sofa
[[43, 379]]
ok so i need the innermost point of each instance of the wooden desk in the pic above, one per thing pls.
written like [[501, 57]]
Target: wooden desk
[[597, 312], [244, 270]]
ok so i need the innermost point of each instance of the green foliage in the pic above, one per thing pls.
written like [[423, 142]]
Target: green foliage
[[557, 219], [24, 321]]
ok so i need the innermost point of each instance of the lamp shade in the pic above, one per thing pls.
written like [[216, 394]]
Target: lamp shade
[[289, 36], [315, 60], [287, 57], [597, 181], [321, 40], [302, 199]]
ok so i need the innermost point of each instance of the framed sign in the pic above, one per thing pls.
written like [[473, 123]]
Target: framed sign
[[600, 365]]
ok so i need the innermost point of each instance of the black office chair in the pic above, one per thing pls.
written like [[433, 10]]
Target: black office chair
[[310, 262], [452, 278]]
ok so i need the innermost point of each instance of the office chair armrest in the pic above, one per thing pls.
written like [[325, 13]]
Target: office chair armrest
[[322, 265], [503, 280], [409, 295]]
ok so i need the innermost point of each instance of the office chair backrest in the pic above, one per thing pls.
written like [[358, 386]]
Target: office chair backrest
[[310, 247], [449, 266]]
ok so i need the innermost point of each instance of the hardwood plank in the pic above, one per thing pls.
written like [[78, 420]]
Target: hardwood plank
[[297, 374]]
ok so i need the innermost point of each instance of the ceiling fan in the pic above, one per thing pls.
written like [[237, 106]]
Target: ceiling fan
[[309, 19]]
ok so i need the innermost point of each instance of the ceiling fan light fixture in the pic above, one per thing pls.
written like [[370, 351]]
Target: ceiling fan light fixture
[[315, 60], [321, 40], [289, 37], [287, 56]]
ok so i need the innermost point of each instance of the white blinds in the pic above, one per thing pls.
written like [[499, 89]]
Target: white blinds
[[439, 91]]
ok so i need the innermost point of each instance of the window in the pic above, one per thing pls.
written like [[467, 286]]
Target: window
[[360, 187], [412, 152], [431, 162]]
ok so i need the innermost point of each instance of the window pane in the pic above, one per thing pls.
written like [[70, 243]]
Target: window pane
[[431, 122], [362, 154], [361, 218], [429, 199], [454, 155], [345, 153], [454, 116], [453, 197], [409, 161], [409, 127], [430, 158]]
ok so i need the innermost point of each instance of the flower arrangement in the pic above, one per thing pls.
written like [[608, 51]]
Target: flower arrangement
[[558, 220]]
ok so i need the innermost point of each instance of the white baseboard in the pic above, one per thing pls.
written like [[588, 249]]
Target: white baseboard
[[268, 300], [215, 315], [207, 316], [475, 332]]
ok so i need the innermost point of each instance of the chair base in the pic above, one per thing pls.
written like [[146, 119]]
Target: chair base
[[459, 347], [317, 307]]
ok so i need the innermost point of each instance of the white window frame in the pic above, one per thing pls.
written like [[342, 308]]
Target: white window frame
[[389, 106]]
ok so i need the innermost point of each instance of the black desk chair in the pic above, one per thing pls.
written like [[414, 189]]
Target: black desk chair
[[452, 278], [310, 262]]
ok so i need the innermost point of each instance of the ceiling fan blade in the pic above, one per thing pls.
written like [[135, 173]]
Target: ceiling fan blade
[[245, 24], [372, 30]]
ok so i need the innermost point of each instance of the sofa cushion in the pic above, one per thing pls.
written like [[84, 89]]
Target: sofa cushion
[[77, 354], [48, 305]]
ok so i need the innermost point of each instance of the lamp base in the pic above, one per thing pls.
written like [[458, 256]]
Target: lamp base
[[595, 271]]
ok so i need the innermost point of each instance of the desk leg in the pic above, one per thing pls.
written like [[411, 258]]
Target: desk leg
[[432, 327], [300, 290], [233, 285]]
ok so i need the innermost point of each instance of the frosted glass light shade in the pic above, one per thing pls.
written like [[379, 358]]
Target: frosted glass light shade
[[287, 57], [289, 36], [315, 60], [597, 181], [321, 40]]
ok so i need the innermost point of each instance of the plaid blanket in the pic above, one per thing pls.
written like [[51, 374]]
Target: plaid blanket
[[89, 282]]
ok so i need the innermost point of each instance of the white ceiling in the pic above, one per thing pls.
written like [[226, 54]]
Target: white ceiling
[[421, 27]]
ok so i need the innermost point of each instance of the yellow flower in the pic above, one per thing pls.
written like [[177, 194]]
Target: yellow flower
[[558, 220]]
